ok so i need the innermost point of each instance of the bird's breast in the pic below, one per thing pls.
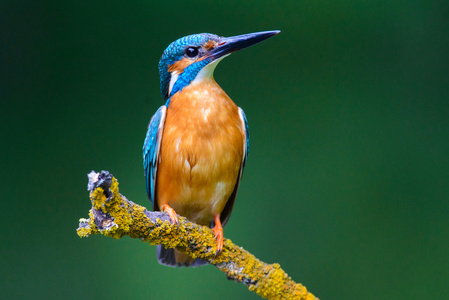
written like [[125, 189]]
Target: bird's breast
[[201, 151]]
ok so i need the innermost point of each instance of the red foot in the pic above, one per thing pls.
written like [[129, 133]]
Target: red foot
[[171, 213], [218, 230]]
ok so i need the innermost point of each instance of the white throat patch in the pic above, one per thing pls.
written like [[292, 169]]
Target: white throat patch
[[208, 71]]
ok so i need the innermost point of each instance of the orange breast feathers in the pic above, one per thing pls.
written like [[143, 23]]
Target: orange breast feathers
[[201, 152]]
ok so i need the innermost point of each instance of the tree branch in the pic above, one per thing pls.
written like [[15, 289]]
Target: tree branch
[[115, 216]]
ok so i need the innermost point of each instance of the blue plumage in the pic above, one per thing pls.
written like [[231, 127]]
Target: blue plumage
[[151, 149], [189, 75]]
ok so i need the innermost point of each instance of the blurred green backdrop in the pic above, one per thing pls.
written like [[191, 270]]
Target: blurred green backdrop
[[347, 181]]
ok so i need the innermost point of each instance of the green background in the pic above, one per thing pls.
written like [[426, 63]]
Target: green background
[[347, 182]]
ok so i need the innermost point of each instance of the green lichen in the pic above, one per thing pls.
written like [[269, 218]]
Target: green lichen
[[130, 219]]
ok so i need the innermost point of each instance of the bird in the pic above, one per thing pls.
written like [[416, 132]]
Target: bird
[[197, 143]]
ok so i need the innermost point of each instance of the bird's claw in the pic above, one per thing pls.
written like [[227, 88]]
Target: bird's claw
[[218, 231], [172, 214]]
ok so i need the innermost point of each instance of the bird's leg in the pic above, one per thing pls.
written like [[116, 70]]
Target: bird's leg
[[218, 230], [171, 213]]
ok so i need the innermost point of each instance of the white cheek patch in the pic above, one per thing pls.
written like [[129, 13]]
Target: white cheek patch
[[208, 71], [173, 78]]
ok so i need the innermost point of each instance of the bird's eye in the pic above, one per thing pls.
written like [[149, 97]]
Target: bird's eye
[[191, 51]]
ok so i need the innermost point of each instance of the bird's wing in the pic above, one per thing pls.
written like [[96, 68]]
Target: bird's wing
[[246, 144], [151, 149], [226, 213]]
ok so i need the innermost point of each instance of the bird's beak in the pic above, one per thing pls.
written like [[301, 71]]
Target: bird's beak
[[227, 45]]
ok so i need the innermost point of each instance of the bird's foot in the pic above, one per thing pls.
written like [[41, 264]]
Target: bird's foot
[[218, 231], [171, 213]]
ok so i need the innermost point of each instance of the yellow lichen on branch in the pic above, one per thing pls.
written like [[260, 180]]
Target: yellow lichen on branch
[[115, 216]]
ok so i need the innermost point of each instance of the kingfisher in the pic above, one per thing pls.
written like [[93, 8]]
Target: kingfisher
[[197, 143]]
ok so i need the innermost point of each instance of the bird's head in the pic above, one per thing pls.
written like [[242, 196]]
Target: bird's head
[[196, 56]]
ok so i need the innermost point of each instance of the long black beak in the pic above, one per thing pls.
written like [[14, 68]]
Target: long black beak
[[231, 44]]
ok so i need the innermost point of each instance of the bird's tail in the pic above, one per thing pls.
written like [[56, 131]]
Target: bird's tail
[[174, 258]]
